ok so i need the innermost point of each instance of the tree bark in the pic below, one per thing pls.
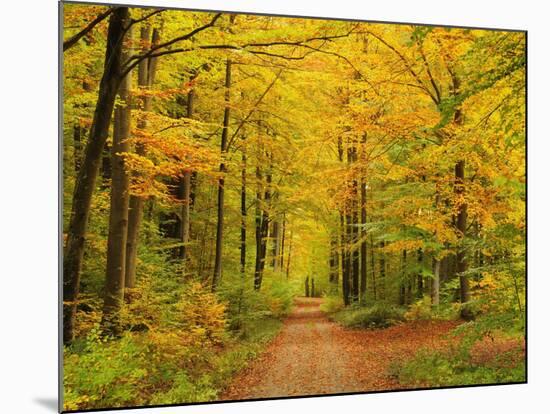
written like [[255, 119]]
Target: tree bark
[[283, 237], [276, 244], [289, 255], [382, 259], [221, 182], [363, 289], [420, 277], [373, 267], [355, 233], [347, 280], [462, 264], [243, 212], [87, 175], [186, 195], [146, 78], [435, 284], [118, 216], [402, 292]]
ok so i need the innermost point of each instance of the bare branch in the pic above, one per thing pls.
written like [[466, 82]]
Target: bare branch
[[147, 16], [151, 52], [407, 65], [67, 44], [253, 109]]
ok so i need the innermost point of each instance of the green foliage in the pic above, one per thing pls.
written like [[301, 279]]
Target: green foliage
[[246, 306], [420, 310], [439, 369], [377, 316], [105, 374], [332, 304], [467, 361], [156, 368]]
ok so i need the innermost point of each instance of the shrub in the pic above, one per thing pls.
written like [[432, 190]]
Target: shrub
[[201, 315], [439, 369], [332, 304], [106, 373], [376, 316], [420, 310]]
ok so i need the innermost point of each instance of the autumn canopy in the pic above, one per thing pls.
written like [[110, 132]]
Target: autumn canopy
[[216, 166]]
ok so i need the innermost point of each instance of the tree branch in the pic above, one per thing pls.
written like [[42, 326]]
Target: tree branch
[[147, 16], [407, 66], [253, 109], [67, 44], [151, 52]]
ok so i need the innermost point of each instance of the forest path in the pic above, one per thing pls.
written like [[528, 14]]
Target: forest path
[[313, 356]]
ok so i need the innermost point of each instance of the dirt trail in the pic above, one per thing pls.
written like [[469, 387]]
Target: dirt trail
[[313, 356]]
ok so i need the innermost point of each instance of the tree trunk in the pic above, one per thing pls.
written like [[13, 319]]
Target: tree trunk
[[243, 213], [258, 229], [276, 245], [462, 264], [402, 297], [289, 256], [435, 284], [307, 287], [382, 260], [146, 78], [283, 236], [333, 259], [355, 230], [346, 280], [363, 289], [420, 277], [373, 268], [118, 216], [221, 182], [186, 195], [86, 179]]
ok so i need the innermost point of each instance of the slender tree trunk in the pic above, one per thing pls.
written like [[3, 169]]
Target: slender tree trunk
[[307, 287], [420, 277], [355, 254], [342, 252], [146, 78], [382, 260], [265, 227], [186, 195], [363, 289], [402, 298], [86, 179], [221, 182], [348, 270], [333, 259], [118, 216], [258, 229], [289, 255], [373, 268], [435, 284], [276, 227], [283, 236], [243, 213]]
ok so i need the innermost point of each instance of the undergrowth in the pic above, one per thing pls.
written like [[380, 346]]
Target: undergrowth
[[370, 317]]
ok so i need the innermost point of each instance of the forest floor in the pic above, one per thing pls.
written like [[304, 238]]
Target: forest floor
[[313, 356]]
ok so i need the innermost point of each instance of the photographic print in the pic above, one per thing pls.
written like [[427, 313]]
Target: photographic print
[[263, 206]]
